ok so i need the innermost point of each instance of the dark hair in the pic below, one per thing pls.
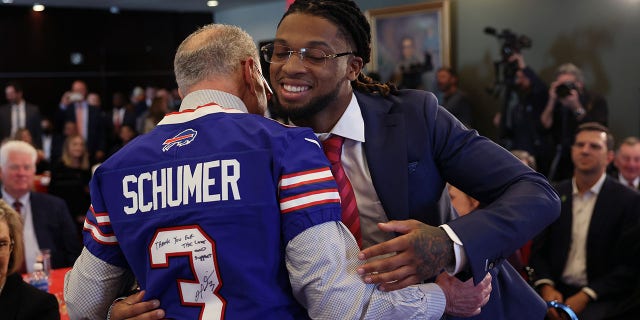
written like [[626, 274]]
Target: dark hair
[[16, 86], [594, 126], [348, 17]]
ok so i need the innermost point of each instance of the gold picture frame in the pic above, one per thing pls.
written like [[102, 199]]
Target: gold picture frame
[[426, 24]]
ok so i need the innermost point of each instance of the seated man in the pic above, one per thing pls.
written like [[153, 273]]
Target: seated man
[[47, 221], [220, 213], [574, 258], [626, 164]]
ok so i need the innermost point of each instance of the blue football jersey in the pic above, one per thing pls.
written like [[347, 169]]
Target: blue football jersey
[[202, 207]]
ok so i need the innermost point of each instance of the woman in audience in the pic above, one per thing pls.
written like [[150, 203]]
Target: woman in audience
[[70, 177], [19, 300]]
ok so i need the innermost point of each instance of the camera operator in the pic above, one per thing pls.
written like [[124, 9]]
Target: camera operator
[[521, 128], [569, 105], [454, 99]]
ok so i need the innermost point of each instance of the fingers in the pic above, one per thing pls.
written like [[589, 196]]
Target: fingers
[[387, 247], [134, 308], [397, 285], [379, 267], [400, 226]]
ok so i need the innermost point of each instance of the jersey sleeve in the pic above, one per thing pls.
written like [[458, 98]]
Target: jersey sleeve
[[307, 193], [98, 235]]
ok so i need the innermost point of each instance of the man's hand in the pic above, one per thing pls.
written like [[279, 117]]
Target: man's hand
[[463, 298], [423, 251], [549, 293], [133, 308], [578, 302]]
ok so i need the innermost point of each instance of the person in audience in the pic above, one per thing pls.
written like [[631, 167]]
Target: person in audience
[[574, 257], [120, 114], [127, 133], [89, 121], [287, 198], [570, 104], [70, 178], [139, 101], [18, 114], [626, 163], [47, 221], [19, 300], [455, 101], [93, 99], [51, 141], [520, 126], [526, 158], [150, 118]]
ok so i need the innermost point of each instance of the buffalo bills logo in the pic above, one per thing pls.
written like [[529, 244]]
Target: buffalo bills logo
[[181, 139]]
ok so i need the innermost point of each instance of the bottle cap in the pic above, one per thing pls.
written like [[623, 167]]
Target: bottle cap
[[38, 266]]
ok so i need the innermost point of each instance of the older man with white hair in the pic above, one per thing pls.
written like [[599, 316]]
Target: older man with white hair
[[47, 222]]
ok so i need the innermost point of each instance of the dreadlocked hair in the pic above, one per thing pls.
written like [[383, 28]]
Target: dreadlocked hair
[[346, 15]]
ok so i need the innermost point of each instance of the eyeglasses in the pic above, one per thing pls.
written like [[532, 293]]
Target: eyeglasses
[[277, 54], [5, 247]]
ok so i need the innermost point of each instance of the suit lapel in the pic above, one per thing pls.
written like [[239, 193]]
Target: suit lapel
[[37, 215], [386, 152]]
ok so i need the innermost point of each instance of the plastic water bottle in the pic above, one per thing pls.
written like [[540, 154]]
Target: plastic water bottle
[[38, 278]]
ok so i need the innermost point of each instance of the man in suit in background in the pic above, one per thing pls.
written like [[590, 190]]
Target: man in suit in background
[[574, 258], [89, 121], [626, 164], [399, 149], [47, 221], [18, 113]]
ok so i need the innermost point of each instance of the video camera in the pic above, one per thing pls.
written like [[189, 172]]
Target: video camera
[[511, 42]]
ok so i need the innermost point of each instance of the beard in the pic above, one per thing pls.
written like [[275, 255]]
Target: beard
[[305, 112]]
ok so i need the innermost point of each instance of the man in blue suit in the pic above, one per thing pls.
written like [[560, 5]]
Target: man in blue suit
[[576, 258], [400, 148], [47, 222]]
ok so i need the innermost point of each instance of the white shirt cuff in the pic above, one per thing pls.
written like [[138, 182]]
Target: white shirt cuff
[[458, 251], [592, 294]]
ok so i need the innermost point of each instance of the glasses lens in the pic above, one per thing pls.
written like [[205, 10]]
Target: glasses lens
[[276, 53], [313, 56]]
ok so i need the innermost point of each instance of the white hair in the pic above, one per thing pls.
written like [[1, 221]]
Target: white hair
[[214, 50], [16, 146]]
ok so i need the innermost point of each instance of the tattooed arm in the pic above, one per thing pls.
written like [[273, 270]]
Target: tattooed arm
[[422, 252]]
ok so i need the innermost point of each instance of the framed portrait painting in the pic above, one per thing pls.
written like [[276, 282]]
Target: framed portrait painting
[[409, 43]]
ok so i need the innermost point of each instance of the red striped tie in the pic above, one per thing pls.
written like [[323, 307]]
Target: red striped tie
[[350, 217]]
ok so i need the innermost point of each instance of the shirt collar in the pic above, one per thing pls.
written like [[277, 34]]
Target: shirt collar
[[10, 200], [201, 97], [595, 189], [626, 182], [350, 125]]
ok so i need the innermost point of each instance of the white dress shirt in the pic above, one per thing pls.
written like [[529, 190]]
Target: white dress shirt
[[31, 247], [18, 117]]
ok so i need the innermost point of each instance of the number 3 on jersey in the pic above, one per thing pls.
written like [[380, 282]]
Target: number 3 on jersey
[[194, 243]]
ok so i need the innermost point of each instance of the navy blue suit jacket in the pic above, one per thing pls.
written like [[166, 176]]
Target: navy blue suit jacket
[[55, 229], [96, 124], [413, 147], [616, 210]]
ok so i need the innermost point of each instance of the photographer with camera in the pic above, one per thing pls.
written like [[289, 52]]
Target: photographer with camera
[[569, 105], [521, 128]]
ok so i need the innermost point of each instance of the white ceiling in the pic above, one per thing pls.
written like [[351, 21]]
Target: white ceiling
[[161, 5]]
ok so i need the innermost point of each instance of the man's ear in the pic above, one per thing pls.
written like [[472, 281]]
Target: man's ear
[[354, 68], [248, 72]]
